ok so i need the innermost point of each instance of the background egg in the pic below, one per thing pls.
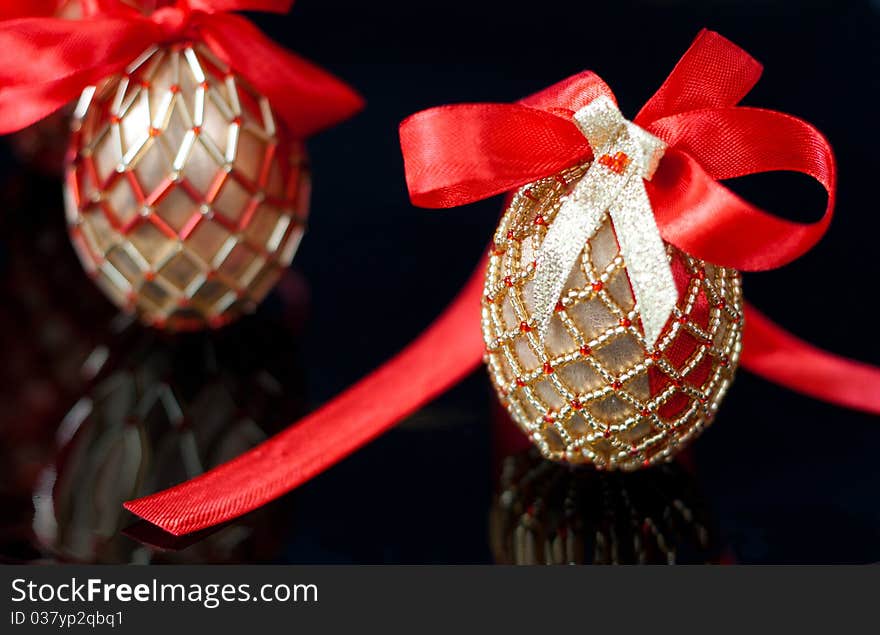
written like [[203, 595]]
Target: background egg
[[185, 198]]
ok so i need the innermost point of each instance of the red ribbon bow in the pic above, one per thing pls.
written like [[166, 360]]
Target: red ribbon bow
[[463, 153], [45, 62], [457, 154]]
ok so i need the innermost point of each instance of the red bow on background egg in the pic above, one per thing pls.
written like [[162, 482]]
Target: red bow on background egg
[[46, 62]]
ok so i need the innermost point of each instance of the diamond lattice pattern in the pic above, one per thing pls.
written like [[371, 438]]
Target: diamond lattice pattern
[[593, 391], [185, 198]]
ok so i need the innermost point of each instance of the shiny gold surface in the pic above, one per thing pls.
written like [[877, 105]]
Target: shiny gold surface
[[594, 391]]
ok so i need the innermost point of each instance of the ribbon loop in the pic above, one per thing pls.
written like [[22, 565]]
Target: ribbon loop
[[613, 185], [47, 62]]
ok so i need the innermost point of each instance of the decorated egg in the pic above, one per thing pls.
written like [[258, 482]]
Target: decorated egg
[[592, 390], [185, 197]]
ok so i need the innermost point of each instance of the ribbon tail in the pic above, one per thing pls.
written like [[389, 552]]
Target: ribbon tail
[[308, 98], [644, 254], [773, 353], [444, 354], [577, 219]]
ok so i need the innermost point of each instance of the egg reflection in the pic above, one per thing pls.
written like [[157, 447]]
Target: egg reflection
[[547, 513]]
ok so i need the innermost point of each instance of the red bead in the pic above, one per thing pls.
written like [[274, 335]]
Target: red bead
[[510, 234], [683, 319], [598, 286], [489, 299], [607, 433], [530, 195], [701, 274], [559, 307], [539, 220], [644, 412], [149, 276], [576, 404], [548, 368], [617, 163], [616, 385], [175, 89], [646, 463], [520, 382], [197, 130], [586, 350], [549, 419], [496, 250], [114, 119], [721, 304], [524, 327], [508, 281], [656, 355], [154, 132], [625, 322]]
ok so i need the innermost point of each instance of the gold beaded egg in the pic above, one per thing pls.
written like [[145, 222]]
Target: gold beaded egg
[[185, 197], [592, 391]]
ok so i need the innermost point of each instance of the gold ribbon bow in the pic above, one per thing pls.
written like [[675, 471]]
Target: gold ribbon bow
[[625, 156]]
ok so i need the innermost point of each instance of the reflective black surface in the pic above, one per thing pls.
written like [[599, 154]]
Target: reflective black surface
[[778, 478]]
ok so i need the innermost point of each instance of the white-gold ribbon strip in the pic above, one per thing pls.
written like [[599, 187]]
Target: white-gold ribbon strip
[[624, 157]]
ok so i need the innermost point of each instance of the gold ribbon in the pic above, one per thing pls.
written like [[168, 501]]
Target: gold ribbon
[[624, 157]]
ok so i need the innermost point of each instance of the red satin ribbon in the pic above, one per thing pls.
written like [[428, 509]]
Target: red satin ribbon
[[458, 154], [17, 9], [46, 62]]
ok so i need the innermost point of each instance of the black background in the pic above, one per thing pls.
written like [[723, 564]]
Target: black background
[[789, 479]]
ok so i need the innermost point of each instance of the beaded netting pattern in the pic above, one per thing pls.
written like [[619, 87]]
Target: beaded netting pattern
[[593, 391], [185, 199]]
